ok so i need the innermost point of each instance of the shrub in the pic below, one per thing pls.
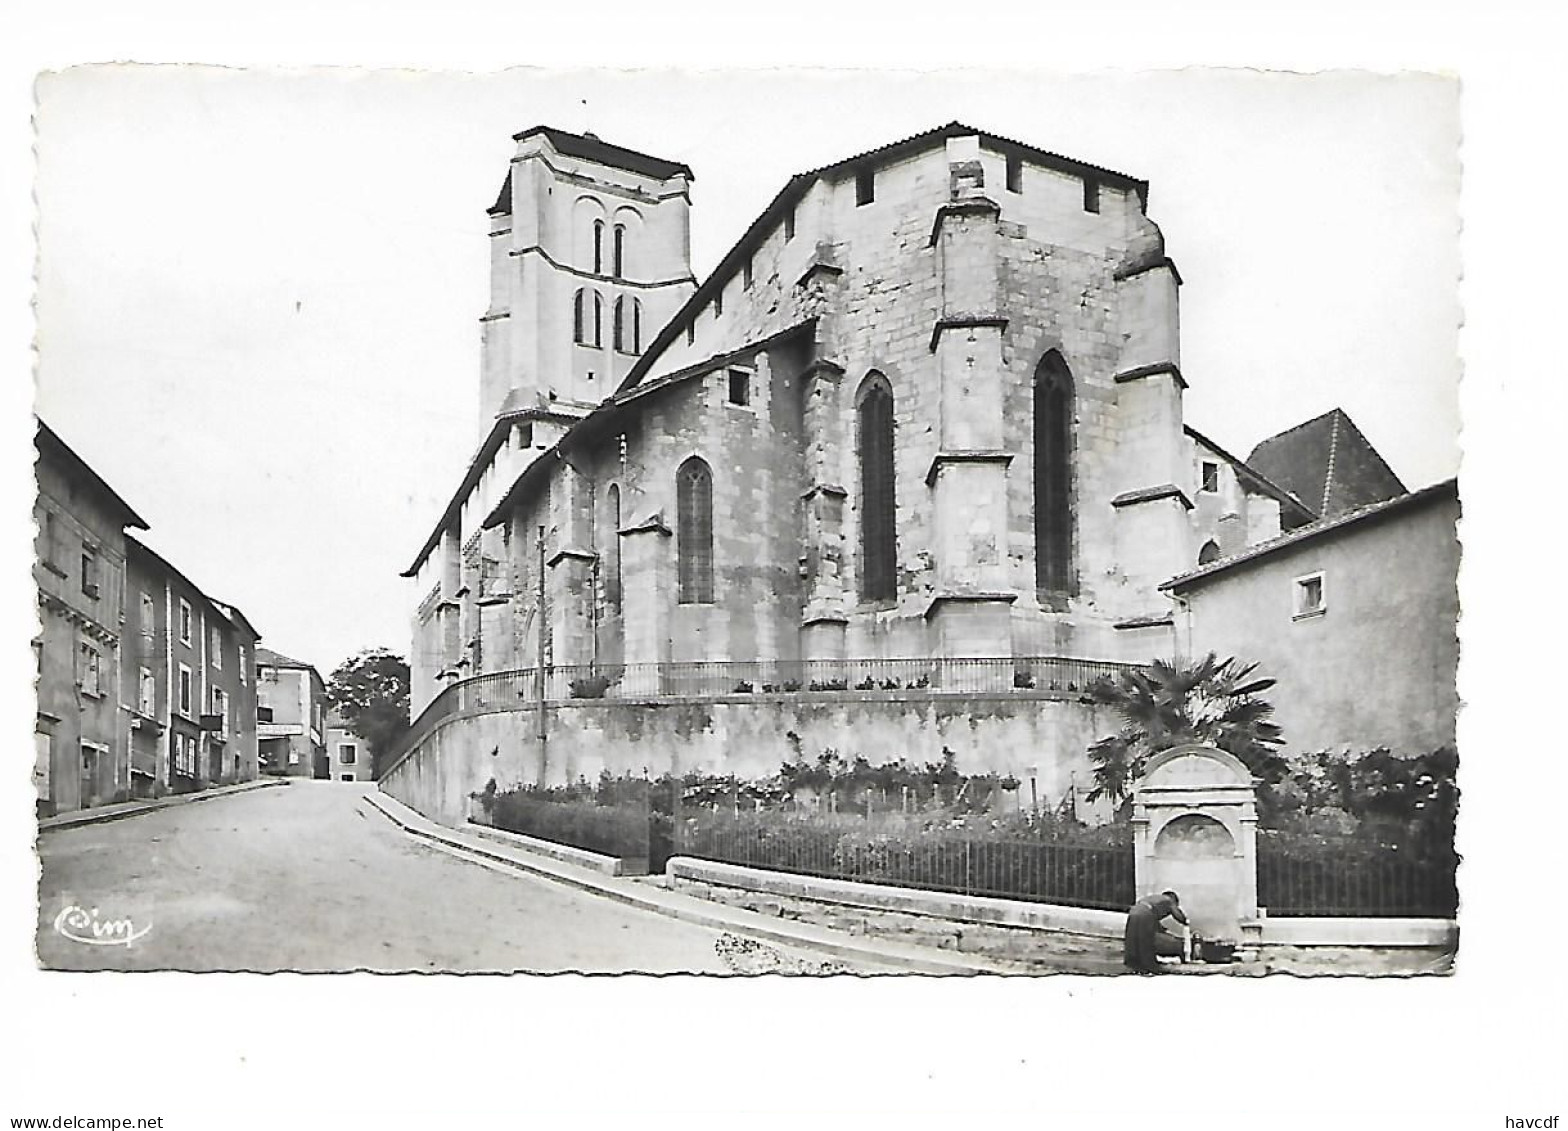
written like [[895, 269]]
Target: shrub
[[589, 687]]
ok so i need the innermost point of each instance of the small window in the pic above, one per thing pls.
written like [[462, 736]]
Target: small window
[[345, 777], [1015, 173], [1209, 553], [1211, 476], [1308, 596], [244, 677], [789, 224], [220, 707], [215, 647], [740, 387], [691, 331], [89, 572], [718, 303], [865, 186], [146, 693], [185, 691], [347, 752], [149, 617], [1091, 195], [745, 276], [185, 621], [90, 678]]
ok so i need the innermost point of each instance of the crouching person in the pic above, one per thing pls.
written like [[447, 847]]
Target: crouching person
[[1146, 939]]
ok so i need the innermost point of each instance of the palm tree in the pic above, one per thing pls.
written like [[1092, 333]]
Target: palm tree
[[1212, 702]]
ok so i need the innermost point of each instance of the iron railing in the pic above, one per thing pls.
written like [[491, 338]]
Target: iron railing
[[1355, 881], [933, 860], [512, 690]]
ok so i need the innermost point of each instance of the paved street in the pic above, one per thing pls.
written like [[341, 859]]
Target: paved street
[[308, 877]]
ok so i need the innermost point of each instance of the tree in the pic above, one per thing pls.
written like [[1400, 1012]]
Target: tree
[[370, 693], [1211, 702]]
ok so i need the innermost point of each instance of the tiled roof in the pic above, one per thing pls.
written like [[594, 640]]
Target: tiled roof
[[1328, 464], [271, 659], [591, 148], [1324, 526]]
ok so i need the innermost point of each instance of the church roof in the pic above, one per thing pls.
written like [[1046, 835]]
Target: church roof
[[590, 148], [1328, 464], [798, 185]]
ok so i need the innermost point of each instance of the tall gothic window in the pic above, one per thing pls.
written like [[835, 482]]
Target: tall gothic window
[[878, 535], [612, 537], [618, 253], [618, 334], [598, 247], [1053, 483], [694, 534]]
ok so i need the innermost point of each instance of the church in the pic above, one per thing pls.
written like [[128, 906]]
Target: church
[[921, 429]]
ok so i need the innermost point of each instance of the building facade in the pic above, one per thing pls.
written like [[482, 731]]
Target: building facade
[[291, 701], [144, 682], [79, 569], [1356, 618], [348, 755], [189, 678]]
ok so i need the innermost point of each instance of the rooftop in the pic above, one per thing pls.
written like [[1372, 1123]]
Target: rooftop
[[1328, 464]]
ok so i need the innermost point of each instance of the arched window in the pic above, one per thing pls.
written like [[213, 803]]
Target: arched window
[[598, 247], [1053, 486], [1209, 553], [612, 556], [618, 254], [618, 334], [587, 318], [694, 533], [878, 503], [628, 325], [636, 325]]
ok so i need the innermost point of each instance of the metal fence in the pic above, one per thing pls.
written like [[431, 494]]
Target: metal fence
[[520, 688], [933, 860], [1350, 880]]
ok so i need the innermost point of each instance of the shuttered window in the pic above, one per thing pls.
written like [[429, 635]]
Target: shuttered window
[[694, 538], [878, 534]]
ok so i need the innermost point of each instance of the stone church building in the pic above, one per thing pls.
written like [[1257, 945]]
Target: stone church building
[[928, 406]]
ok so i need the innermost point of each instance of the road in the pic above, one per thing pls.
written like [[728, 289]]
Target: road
[[309, 877]]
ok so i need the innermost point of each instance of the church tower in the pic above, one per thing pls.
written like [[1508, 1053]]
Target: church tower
[[590, 253]]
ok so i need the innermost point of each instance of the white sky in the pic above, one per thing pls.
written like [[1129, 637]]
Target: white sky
[[258, 291]]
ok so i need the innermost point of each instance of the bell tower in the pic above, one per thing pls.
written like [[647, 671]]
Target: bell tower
[[590, 254]]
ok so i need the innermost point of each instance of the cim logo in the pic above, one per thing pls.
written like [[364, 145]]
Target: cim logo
[[84, 926]]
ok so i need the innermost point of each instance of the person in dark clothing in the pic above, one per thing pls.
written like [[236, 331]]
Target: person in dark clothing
[[1145, 939]]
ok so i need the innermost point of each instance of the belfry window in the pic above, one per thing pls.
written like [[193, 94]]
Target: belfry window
[[1053, 441], [598, 247], [694, 533], [878, 503], [587, 318], [618, 252], [628, 325]]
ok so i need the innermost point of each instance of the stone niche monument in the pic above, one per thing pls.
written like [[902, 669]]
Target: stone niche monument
[[1194, 824]]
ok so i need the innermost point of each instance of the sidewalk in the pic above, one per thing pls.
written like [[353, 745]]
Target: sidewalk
[[136, 808], [881, 955]]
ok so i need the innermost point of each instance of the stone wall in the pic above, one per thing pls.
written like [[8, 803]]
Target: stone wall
[[1022, 733]]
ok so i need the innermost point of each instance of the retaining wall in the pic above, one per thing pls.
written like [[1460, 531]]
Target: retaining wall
[[1031, 735]]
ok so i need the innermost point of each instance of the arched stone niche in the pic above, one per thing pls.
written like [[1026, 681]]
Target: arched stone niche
[[1195, 833]]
